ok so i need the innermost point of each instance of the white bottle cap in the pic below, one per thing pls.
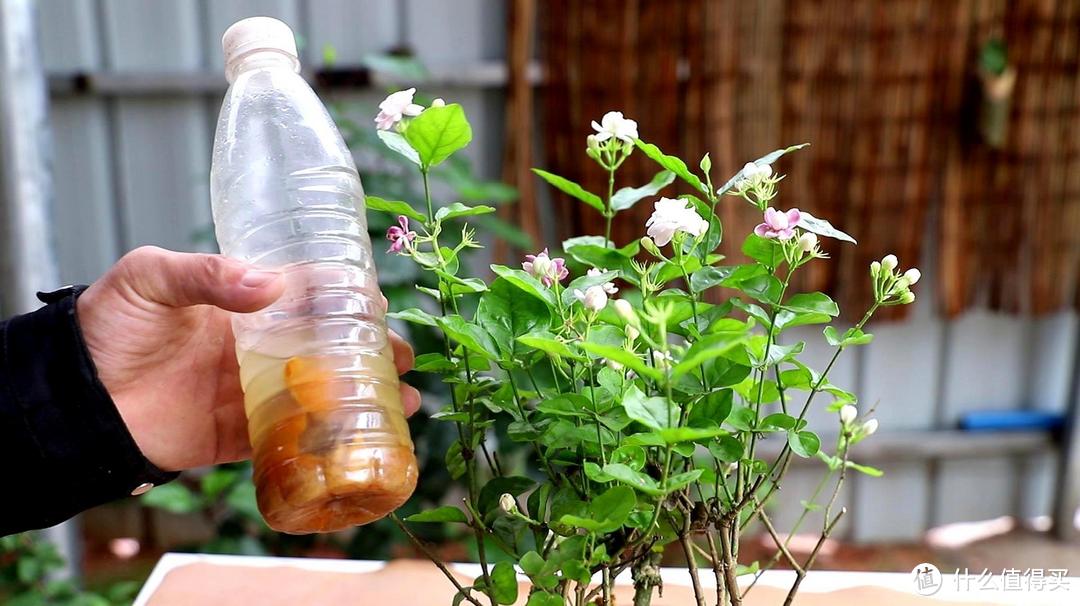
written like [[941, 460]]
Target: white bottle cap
[[257, 34]]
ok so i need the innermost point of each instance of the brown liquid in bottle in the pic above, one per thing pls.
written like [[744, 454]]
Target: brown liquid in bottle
[[330, 442]]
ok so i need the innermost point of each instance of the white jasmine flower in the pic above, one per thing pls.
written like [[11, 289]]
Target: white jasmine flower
[[870, 427], [889, 262], [907, 298], [912, 275], [438, 102], [613, 365], [848, 414], [753, 172], [671, 216], [609, 287], [613, 124], [507, 503], [631, 332], [594, 298], [395, 107]]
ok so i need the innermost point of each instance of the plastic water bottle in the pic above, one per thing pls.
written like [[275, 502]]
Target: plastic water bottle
[[330, 444]]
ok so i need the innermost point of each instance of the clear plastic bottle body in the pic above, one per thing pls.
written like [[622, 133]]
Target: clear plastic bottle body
[[330, 444]]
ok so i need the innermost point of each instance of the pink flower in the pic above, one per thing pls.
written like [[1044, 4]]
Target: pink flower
[[395, 107], [778, 225], [671, 216], [399, 235], [547, 270]]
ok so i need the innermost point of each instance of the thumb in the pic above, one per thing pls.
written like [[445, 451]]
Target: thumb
[[183, 279]]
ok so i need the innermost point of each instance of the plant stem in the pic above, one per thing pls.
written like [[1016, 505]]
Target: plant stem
[[730, 579], [434, 560], [717, 570], [608, 215], [801, 574], [691, 561]]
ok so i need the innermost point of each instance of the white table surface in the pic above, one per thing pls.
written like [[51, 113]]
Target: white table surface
[[815, 581]]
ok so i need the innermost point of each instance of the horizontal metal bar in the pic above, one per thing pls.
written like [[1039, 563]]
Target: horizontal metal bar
[[927, 445], [489, 74]]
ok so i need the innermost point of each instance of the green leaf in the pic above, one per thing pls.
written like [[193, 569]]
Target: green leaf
[[766, 251], [764, 288], [727, 449], [630, 455], [549, 343], [174, 498], [742, 418], [633, 478], [653, 412], [822, 227], [433, 362], [804, 443], [628, 196], [768, 158], [216, 481], [545, 599], [707, 277], [526, 283], [567, 405], [469, 335], [532, 563], [605, 513], [394, 207], [711, 410], [622, 356], [683, 479], [590, 250], [812, 302], [414, 315], [671, 163], [853, 336], [446, 513], [721, 339], [674, 435], [506, 315], [398, 143], [455, 461], [571, 189], [504, 585], [437, 133], [778, 421], [457, 209]]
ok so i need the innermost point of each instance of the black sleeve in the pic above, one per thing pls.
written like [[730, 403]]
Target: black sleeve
[[63, 445]]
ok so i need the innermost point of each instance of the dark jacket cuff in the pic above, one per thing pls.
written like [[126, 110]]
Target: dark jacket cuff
[[61, 436]]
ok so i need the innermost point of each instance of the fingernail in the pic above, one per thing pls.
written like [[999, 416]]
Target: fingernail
[[257, 278]]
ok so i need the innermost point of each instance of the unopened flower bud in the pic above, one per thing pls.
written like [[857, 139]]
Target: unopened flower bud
[[661, 360], [594, 298], [870, 427], [912, 275], [438, 103], [889, 263], [507, 503], [901, 284], [648, 244], [625, 310], [875, 269], [613, 365], [631, 332], [848, 414], [907, 298], [807, 242]]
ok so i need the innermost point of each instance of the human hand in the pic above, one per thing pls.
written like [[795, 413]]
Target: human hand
[[158, 329]]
